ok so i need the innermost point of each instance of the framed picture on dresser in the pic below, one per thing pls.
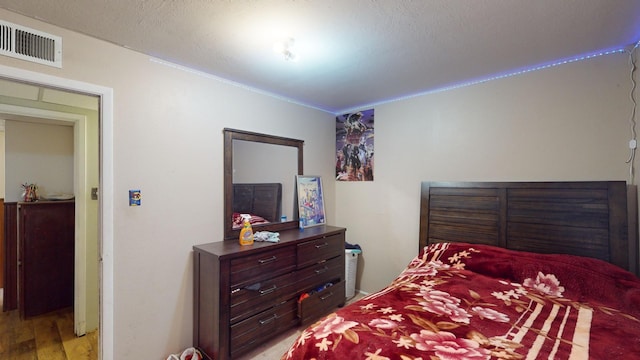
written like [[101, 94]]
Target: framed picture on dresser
[[310, 200]]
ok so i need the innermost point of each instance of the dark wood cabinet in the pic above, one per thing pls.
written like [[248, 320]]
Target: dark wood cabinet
[[244, 295], [39, 256], [46, 256]]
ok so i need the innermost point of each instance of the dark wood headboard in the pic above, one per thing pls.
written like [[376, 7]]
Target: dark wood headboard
[[263, 199], [596, 219]]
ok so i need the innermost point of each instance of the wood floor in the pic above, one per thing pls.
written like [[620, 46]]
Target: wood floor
[[44, 337]]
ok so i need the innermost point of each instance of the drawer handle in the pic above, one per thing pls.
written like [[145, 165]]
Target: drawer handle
[[323, 270], [269, 290], [320, 246], [265, 261], [323, 298], [266, 321]]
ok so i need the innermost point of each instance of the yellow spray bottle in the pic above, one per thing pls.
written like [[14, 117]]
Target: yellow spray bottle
[[246, 234]]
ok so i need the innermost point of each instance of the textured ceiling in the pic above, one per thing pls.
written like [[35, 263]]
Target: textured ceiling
[[352, 53]]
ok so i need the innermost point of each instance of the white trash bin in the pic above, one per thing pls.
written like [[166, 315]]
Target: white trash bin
[[350, 269]]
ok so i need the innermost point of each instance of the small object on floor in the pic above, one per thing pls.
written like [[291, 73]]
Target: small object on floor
[[188, 354]]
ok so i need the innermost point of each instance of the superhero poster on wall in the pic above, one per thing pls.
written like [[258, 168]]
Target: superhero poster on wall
[[354, 146]]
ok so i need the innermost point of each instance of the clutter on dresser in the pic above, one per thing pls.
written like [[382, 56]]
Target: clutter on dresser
[[246, 234], [267, 236]]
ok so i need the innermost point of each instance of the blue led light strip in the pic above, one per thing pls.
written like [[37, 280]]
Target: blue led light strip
[[497, 77], [542, 67]]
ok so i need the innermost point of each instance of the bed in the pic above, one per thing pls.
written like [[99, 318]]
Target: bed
[[509, 270], [263, 201]]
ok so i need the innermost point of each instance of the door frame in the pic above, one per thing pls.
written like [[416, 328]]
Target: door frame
[[105, 207], [80, 190]]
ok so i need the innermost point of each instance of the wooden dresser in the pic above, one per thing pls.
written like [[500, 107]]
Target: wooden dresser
[[244, 295]]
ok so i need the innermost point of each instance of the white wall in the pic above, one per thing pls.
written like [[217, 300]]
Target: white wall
[[167, 136], [570, 122], [40, 154]]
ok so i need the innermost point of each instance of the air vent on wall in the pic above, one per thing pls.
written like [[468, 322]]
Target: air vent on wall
[[31, 45]]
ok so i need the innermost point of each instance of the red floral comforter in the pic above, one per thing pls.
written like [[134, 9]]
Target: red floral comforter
[[464, 301]]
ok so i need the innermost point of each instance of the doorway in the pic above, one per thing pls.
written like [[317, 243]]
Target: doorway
[[57, 150], [105, 204]]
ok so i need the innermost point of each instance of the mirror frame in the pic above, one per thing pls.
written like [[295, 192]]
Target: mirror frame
[[229, 136]]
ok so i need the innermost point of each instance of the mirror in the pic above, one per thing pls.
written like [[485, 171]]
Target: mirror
[[256, 162]]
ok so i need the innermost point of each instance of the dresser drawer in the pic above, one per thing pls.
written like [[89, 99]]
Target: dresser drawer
[[259, 296], [255, 330], [312, 252], [264, 265], [321, 303], [319, 274]]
